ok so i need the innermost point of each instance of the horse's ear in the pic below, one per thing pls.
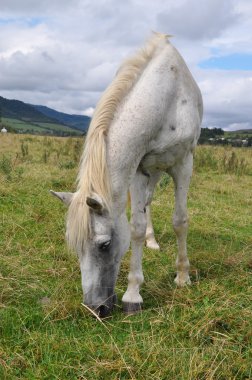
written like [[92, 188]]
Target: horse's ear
[[64, 197], [95, 203]]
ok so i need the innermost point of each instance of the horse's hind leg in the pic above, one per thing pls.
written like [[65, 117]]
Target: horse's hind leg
[[150, 237], [132, 299], [181, 175]]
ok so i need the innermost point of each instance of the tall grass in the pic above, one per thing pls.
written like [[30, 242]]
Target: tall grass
[[223, 160], [234, 165]]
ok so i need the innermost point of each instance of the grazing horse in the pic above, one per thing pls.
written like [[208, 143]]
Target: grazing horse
[[147, 121]]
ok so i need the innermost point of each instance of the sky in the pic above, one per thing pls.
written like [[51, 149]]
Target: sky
[[63, 53]]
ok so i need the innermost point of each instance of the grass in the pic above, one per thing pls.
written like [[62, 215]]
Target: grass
[[38, 127], [58, 127], [22, 126], [201, 332]]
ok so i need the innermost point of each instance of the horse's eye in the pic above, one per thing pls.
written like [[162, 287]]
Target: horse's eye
[[105, 245]]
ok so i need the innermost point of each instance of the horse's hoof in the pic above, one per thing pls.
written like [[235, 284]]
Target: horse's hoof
[[131, 308], [182, 281], [152, 244]]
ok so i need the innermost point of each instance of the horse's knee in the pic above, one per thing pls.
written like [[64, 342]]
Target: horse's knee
[[138, 227], [180, 224]]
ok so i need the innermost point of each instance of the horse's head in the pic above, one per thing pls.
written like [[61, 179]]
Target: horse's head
[[101, 254]]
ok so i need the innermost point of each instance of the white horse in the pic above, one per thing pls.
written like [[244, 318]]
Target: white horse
[[147, 121]]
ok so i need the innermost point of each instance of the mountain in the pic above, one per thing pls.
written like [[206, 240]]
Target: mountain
[[36, 119], [15, 109], [75, 121]]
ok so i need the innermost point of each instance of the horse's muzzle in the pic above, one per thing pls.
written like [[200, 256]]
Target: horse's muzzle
[[105, 308]]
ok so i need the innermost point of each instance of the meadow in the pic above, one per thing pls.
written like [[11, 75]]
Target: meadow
[[36, 127], [201, 332]]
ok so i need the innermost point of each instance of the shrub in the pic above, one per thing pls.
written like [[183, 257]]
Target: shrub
[[6, 167], [24, 150]]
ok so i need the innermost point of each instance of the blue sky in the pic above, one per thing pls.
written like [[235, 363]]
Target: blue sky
[[236, 61], [29, 21], [63, 54]]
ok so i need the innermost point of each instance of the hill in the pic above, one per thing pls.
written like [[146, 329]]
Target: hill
[[27, 118], [15, 109], [240, 133], [79, 122]]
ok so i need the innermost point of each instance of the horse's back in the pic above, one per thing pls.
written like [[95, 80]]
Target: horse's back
[[162, 113]]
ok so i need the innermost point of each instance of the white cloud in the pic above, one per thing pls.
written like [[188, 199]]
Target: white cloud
[[31, 7], [226, 97], [64, 53], [196, 20], [89, 111]]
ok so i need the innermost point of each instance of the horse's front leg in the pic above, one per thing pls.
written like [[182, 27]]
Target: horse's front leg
[[132, 299], [181, 175]]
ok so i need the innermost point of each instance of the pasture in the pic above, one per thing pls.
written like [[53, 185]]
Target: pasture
[[200, 332], [38, 127]]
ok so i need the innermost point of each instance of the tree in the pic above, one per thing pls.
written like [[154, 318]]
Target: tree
[[207, 133]]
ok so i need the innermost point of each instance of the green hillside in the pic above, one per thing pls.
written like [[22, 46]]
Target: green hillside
[[80, 122], [39, 128], [15, 109], [20, 117], [242, 133]]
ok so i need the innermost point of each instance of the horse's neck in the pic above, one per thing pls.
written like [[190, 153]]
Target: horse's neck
[[135, 125], [123, 163]]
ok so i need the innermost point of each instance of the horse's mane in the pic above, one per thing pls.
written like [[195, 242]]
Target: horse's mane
[[93, 172]]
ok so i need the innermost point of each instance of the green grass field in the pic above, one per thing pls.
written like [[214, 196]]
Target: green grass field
[[201, 332], [21, 126], [38, 127], [58, 127]]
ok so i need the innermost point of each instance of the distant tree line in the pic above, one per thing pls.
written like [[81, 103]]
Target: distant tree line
[[207, 134], [48, 132], [215, 136]]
